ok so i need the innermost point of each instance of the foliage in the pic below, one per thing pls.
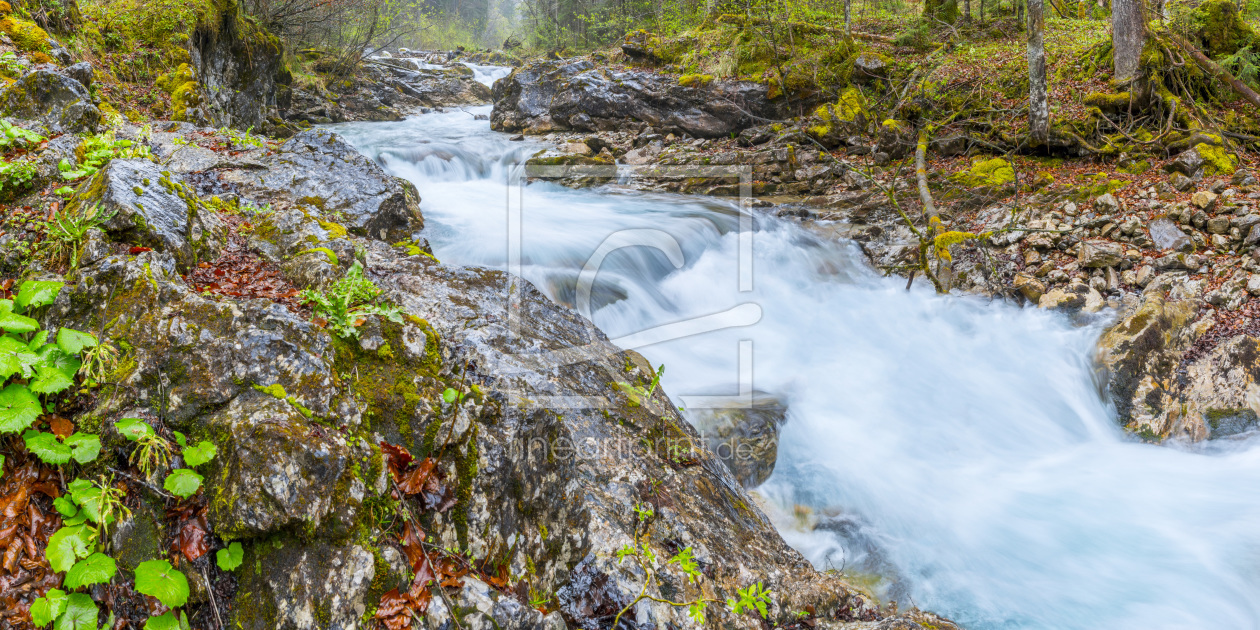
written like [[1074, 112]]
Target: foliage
[[349, 301], [159, 579], [66, 232], [243, 139], [14, 137], [753, 598], [183, 482], [17, 173], [152, 451], [230, 558], [95, 151], [637, 393]]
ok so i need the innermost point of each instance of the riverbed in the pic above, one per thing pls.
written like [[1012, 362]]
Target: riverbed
[[959, 447]]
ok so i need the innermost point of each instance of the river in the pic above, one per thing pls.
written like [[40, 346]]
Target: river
[[958, 445]]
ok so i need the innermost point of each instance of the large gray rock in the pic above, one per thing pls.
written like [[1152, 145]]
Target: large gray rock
[[304, 586], [241, 71], [320, 172], [146, 208], [58, 102], [563, 95], [1097, 254], [1167, 235]]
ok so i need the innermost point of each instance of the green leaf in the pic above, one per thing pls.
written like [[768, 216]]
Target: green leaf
[[230, 558], [18, 408], [134, 428], [180, 439], [16, 356], [47, 608], [165, 622], [1, 465], [90, 497], [37, 293], [159, 579], [65, 506], [47, 447], [14, 323], [80, 614], [97, 568], [201, 453], [73, 342], [84, 446], [50, 356], [182, 482], [450, 395], [66, 546], [50, 380], [37, 341]]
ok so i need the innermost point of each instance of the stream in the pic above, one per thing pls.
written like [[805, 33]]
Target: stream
[[958, 446]]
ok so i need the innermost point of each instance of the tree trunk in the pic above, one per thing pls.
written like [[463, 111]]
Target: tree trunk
[[967, 11], [848, 23], [941, 10], [1128, 36], [1038, 108], [1216, 70]]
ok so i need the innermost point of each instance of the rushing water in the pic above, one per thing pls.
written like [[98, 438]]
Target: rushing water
[[957, 444]]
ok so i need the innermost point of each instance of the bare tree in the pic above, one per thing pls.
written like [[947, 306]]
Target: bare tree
[[1128, 36], [1038, 107]]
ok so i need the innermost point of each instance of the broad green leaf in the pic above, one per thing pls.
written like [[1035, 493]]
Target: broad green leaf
[[450, 395], [16, 356], [89, 496], [47, 608], [14, 323], [180, 439], [37, 341], [51, 356], [84, 446], [73, 342], [133, 428], [182, 482], [50, 380], [18, 408], [159, 579], [1, 466], [47, 447], [97, 568], [65, 506], [80, 614], [165, 622], [230, 558], [201, 453], [66, 546], [37, 293]]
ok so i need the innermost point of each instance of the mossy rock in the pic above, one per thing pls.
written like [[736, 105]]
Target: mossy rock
[[1216, 159], [1221, 30], [26, 35], [695, 80], [993, 173]]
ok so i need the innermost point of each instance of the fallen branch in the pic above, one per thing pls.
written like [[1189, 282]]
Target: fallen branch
[[1212, 68], [920, 171]]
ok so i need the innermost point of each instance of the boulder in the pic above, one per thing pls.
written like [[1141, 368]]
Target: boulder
[[146, 208], [302, 585], [1031, 288], [1204, 199], [1167, 235], [744, 435], [56, 101], [318, 170], [1096, 254], [576, 95], [241, 71], [870, 66], [1188, 163]]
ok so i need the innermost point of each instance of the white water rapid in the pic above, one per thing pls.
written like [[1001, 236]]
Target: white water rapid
[[958, 445]]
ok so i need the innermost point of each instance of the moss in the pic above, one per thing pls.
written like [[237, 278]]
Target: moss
[[1217, 160], [385, 352], [695, 80], [1220, 29], [39, 57], [5, 8], [328, 253], [987, 174], [1109, 103], [318, 202], [25, 35], [334, 230]]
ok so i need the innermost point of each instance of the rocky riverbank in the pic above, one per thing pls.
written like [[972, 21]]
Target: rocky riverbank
[[426, 453]]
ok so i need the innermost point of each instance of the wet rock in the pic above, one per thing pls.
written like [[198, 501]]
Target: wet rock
[[1253, 284], [477, 605], [1167, 235], [1181, 182], [549, 95], [317, 169], [304, 586], [1188, 163], [1097, 254], [1031, 288], [81, 72], [241, 71], [59, 103], [1253, 236], [145, 208], [1072, 298], [744, 435], [1179, 261]]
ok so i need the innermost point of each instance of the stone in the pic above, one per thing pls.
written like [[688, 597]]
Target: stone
[[58, 102], [81, 72], [241, 71], [144, 208], [1180, 182], [547, 95], [951, 145], [304, 586], [1204, 199], [1095, 254], [870, 66], [1243, 178], [576, 148], [317, 169], [1245, 222], [1253, 284], [1031, 288], [1144, 275], [1253, 236], [1218, 225], [744, 435], [1071, 298], [1179, 261], [1188, 163], [1107, 203]]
